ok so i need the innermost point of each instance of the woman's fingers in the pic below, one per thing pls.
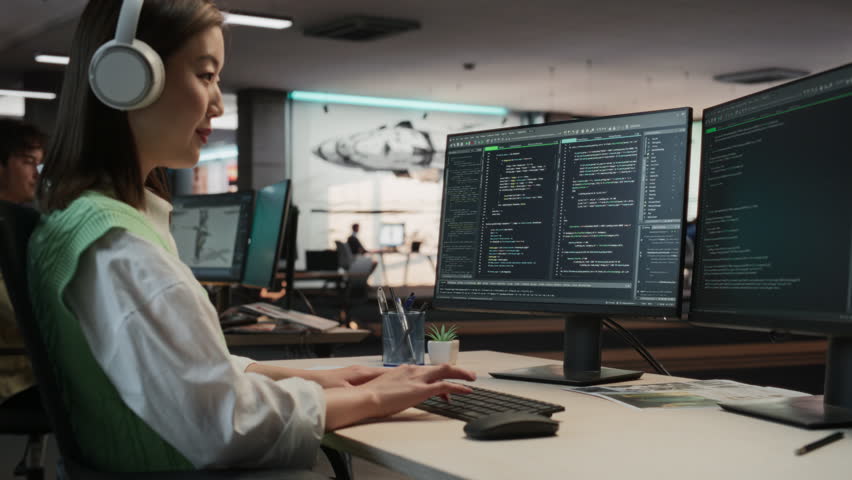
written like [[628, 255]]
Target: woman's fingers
[[448, 371], [448, 388]]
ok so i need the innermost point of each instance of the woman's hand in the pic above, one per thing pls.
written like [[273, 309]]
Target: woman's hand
[[392, 391], [345, 377], [335, 378]]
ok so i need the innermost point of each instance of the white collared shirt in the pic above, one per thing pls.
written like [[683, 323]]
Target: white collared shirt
[[157, 337]]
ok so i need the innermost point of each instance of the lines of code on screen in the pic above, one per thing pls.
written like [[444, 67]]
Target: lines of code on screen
[[775, 225], [575, 213]]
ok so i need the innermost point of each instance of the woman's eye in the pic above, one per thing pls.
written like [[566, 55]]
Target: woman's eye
[[208, 77]]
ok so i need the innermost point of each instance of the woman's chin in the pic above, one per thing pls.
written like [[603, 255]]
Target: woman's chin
[[190, 161]]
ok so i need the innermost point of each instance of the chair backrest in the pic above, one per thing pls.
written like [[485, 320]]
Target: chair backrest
[[344, 255], [16, 225], [359, 272]]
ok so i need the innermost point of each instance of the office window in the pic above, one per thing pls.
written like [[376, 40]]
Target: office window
[[374, 166]]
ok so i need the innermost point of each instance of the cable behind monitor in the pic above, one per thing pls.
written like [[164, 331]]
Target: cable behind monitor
[[637, 344]]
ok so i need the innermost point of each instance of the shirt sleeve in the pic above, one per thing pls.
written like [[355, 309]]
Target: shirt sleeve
[[155, 336], [242, 363]]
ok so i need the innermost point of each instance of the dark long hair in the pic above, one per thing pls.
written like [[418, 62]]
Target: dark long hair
[[93, 147]]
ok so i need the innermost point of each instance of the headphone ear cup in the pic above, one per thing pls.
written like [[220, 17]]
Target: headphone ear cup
[[126, 77]]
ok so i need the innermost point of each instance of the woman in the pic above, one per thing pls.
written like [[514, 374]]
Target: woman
[[145, 371]]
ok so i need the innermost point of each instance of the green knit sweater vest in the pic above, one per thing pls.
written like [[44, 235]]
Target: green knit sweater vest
[[110, 436]]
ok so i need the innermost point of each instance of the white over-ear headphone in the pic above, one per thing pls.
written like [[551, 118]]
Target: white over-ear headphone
[[126, 73]]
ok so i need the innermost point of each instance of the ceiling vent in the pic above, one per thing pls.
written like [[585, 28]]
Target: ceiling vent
[[361, 28], [761, 75]]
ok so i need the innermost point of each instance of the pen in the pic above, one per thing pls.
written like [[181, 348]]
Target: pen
[[819, 443], [409, 302], [382, 300]]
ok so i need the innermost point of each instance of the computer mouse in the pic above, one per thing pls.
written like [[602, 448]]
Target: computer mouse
[[505, 425]]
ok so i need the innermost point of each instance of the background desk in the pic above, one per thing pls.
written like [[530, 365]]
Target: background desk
[[430, 256], [323, 342], [597, 439]]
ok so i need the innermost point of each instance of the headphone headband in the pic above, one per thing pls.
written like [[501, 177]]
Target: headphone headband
[[128, 19]]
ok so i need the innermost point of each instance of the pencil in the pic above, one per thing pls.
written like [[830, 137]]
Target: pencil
[[819, 443]]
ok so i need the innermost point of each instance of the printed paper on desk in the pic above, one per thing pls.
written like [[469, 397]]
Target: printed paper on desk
[[690, 394]]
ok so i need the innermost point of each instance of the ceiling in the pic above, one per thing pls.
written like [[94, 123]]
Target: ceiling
[[584, 58]]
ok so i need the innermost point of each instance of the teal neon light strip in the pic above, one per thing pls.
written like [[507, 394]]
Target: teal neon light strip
[[220, 153], [826, 100], [319, 97]]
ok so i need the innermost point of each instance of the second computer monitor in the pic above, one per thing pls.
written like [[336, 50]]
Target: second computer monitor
[[211, 233], [392, 235], [774, 241], [571, 217], [267, 235]]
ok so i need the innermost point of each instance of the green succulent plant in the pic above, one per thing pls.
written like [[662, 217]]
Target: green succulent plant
[[442, 334]]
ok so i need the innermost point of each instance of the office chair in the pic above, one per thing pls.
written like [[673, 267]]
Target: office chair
[[16, 225], [22, 414], [344, 255], [358, 270], [356, 284]]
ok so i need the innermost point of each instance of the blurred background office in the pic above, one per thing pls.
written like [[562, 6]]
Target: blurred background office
[[353, 102]]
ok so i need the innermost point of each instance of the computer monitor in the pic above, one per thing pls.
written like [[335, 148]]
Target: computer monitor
[[392, 235], [582, 218], [267, 235], [774, 240], [211, 233]]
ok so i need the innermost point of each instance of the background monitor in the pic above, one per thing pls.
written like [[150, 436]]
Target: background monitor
[[392, 235], [267, 235], [211, 233], [583, 217], [774, 241]]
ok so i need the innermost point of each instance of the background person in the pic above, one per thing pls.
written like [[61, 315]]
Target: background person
[[354, 244], [21, 151]]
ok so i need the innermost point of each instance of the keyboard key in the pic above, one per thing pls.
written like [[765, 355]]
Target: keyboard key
[[484, 402]]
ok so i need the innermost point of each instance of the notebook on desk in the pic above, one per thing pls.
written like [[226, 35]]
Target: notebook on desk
[[312, 322]]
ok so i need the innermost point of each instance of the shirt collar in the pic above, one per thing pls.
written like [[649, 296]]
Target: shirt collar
[[157, 209]]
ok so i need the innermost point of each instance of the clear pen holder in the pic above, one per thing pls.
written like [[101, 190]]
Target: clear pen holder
[[403, 340]]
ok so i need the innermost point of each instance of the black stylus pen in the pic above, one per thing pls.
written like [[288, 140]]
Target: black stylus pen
[[819, 443]]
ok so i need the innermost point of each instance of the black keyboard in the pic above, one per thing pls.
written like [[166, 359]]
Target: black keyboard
[[484, 402]]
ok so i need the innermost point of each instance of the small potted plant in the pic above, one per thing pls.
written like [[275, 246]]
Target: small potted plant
[[443, 344]]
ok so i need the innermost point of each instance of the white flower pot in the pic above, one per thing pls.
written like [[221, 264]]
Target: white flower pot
[[443, 352]]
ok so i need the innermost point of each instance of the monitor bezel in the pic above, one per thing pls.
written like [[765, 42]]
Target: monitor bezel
[[209, 277], [748, 320], [568, 308], [279, 246]]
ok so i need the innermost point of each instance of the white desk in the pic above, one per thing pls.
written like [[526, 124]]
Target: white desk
[[597, 439]]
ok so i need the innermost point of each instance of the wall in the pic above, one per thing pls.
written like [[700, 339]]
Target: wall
[[371, 166]]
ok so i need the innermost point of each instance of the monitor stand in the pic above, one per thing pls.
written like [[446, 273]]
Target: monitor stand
[[832, 410], [582, 359]]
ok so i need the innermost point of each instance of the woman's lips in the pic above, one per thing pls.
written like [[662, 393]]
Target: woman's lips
[[204, 133]]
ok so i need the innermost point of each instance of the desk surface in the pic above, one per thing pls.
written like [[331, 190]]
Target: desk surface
[[335, 335], [597, 438]]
